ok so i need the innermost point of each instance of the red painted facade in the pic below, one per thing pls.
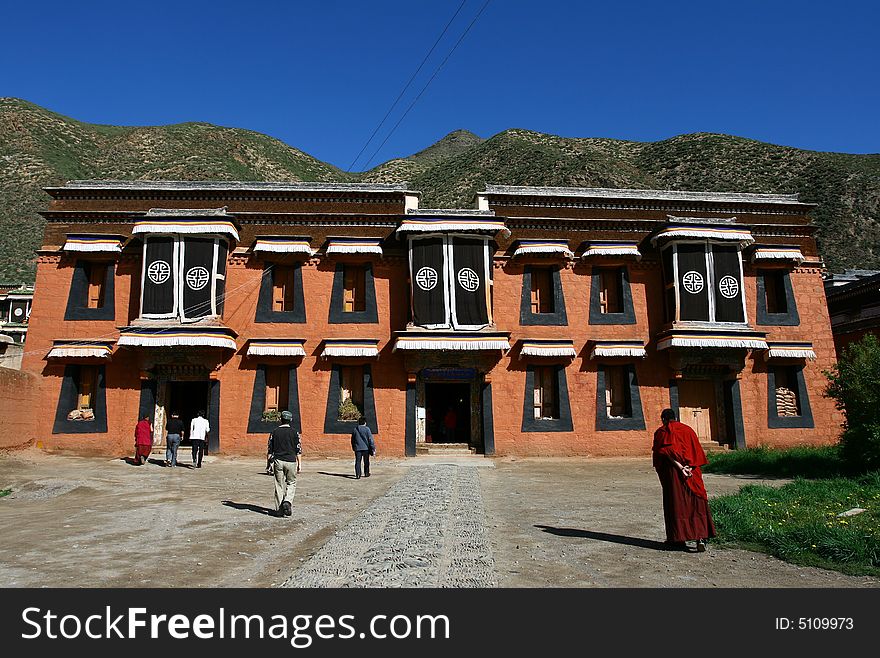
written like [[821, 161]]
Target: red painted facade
[[400, 382]]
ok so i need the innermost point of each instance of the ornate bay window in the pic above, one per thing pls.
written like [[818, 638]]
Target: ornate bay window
[[703, 273], [184, 263], [451, 270]]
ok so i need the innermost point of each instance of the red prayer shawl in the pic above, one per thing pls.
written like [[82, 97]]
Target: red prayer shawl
[[678, 441], [142, 434]]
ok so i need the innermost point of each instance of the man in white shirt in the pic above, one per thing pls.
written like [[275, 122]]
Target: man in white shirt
[[198, 435]]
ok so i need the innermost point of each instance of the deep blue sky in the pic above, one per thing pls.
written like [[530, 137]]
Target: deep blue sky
[[320, 75]]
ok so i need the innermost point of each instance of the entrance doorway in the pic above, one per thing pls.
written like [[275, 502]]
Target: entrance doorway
[[187, 399], [697, 407], [448, 413]]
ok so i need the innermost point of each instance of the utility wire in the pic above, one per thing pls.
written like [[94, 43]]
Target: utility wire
[[436, 71], [403, 91]]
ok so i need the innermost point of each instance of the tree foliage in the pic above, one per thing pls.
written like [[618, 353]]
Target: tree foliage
[[854, 384]]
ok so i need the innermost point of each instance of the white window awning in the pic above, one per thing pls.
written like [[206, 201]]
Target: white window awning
[[177, 337], [354, 246], [93, 243], [185, 220], [764, 254], [456, 342], [350, 347], [789, 351], [276, 347], [625, 348], [720, 339], [547, 348], [81, 349], [281, 244], [543, 248], [454, 224], [721, 232], [597, 248]]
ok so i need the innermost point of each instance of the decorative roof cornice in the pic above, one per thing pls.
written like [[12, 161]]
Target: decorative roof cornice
[[230, 186], [643, 194]]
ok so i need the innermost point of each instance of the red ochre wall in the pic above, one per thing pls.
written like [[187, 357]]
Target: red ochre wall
[[389, 374], [17, 405]]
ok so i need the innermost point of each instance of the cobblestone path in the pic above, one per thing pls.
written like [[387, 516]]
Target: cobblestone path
[[427, 531]]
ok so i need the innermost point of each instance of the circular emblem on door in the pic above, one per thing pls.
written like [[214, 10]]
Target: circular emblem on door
[[18, 312], [468, 279], [158, 272], [728, 287], [426, 278], [197, 278], [692, 282]]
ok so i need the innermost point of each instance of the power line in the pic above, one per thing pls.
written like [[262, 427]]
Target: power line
[[403, 91], [436, 71]]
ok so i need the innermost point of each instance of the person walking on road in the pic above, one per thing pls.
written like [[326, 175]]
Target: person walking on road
[[143, 440], [174, 435], [677, 457], [285, 448], [364, 447], [198, 436]]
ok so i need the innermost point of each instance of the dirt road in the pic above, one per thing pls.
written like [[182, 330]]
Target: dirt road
[[91, 522]]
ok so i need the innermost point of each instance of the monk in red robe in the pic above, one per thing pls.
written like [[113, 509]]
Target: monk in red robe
[[677, 457], [143, 440]]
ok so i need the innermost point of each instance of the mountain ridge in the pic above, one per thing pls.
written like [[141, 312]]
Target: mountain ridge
[[40, 148]]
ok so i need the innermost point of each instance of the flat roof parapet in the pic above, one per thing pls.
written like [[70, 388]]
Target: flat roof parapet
[[629, 193], [450, 212], [255, 186]]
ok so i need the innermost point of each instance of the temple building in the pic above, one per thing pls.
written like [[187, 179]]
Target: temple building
[[542, 321], [854, 305]]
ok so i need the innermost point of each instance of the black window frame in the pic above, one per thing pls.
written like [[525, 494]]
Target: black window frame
[[628, 315], [332, 424], [558, 317], [256, 424], [370, 314], [636, 421], [68, 398], [774, 420], [265, 313], [565, 422], [790, 318], [78, 297]]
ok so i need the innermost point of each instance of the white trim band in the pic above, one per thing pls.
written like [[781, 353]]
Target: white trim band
[[778, 254], [79, 352], [779, 352], [547, 350], [543, 249], [451, 344], [618, 350], [701, 341], [350, 350], [275, 349], [175, 340], [283, 248], [343, 248]]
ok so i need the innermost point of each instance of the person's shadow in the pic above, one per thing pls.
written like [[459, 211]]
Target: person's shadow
[[250, 508], [605, 536], [337, 475]]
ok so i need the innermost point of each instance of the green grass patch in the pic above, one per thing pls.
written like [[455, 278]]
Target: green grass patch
[[804, 462], [5, 492], [799, 522]]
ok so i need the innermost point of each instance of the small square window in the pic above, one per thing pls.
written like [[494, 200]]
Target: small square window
[[354, 289], [97, 276], [351, 394], [542, 290], [86, 386], [546, 394], [774, 289], [282, 288], [610, 291], [788, 402], [277, 378], [617, 395]]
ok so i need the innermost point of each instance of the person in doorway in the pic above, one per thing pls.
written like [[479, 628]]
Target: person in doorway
[[143, 440], [174, 435], [198, 436], [450, 420], [677, 457], [364, 447], [285, 448]]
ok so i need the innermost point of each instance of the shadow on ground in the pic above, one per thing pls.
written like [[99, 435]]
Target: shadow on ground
[[604, 536], [337, 475], [250, 508]]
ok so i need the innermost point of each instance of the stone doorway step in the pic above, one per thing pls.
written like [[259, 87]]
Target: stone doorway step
[[445, 450]]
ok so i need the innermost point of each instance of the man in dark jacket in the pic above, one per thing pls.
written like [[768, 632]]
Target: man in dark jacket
[[284, 447], [363, 445]]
